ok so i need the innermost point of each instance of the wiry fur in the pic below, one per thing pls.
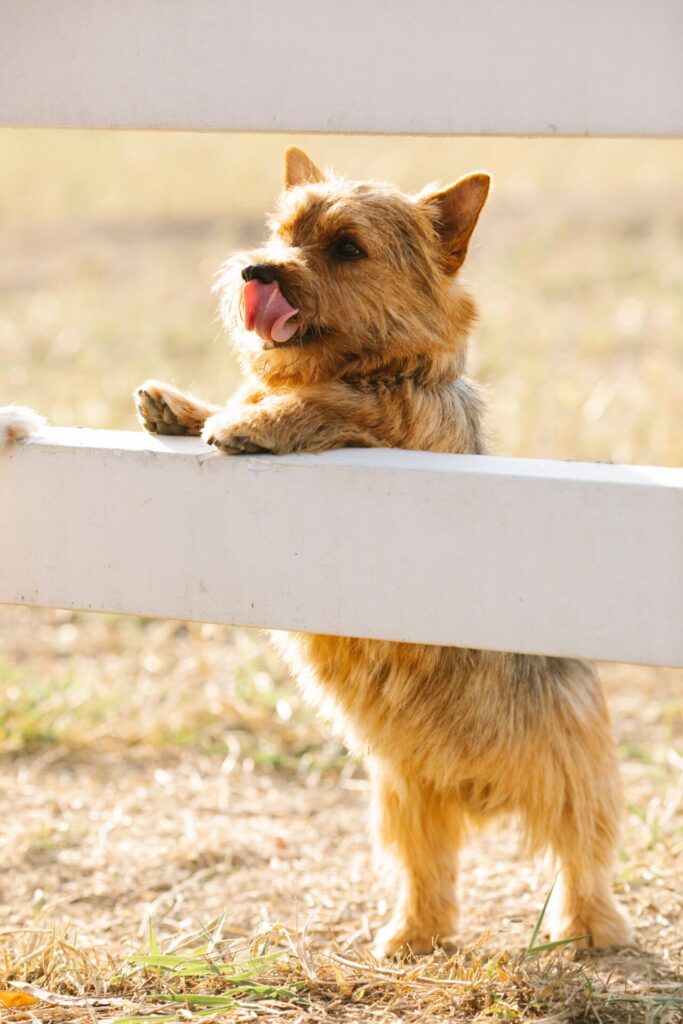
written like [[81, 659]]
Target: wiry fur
[[451, 738], [17, 423]]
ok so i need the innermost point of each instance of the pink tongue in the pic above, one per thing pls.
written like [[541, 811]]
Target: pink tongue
[[267, 312]]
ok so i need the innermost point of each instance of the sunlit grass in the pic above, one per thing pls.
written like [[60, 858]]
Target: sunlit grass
[[95, 683]]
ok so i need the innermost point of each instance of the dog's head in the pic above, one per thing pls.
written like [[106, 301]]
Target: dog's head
[[352, 274]]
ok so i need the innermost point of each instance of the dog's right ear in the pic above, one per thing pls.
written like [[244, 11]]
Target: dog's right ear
[[456, 210], [300, 169]]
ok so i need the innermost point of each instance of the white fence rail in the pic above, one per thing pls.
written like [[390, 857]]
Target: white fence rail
[[508, 554], [545, 67]]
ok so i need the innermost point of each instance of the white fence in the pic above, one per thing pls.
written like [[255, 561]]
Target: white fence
[[506, 67], [507, 554]]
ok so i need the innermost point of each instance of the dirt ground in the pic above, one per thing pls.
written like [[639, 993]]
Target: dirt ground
[[106, 843], [99, 838]]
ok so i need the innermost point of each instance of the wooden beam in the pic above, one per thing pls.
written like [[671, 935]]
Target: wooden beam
[[507, 554], [532, 67]]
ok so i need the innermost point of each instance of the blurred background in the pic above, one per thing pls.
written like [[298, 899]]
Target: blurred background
[[109, 243]]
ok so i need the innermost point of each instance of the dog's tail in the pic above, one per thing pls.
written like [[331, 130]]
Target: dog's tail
[[16, 423]]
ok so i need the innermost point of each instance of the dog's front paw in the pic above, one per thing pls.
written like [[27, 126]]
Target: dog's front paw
[[245, 437], [163, 409], [16, 423]]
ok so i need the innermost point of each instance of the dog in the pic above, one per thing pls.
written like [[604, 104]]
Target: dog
[[351, 327]]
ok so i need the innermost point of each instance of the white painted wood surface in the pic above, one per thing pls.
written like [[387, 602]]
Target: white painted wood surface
[[508, 554], [546, 67]]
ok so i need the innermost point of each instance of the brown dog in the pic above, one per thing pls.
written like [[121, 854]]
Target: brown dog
[[352, 329]]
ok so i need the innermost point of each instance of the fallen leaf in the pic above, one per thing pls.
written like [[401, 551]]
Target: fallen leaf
[[8, 998], [34, 994]]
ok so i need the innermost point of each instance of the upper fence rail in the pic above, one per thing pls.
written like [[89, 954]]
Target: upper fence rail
[[496, 67]]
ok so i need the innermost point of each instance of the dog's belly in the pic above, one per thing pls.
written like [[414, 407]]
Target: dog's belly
[[481, 724]]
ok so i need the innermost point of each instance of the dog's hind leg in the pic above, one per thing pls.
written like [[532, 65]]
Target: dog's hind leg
[[578, 812], [163, 409], [419, 828], [584, 840]]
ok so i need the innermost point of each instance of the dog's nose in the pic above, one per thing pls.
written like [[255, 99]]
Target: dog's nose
[[259, 272]]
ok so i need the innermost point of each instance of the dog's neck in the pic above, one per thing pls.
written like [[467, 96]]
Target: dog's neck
[[364, 371], [426, 371]]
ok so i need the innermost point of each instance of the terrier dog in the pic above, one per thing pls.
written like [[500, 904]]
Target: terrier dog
[[351, 326]]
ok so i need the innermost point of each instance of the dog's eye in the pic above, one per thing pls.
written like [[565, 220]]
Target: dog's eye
[[346, 249]]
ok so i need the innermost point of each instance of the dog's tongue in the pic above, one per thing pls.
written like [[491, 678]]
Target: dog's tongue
[[267, 312]]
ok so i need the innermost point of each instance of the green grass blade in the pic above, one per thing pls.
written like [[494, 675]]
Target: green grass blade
[[557, 944], [539, 920], [153, 944], [154, 1018], [193, 966], [228, 998], [151, 1019], [223, 1002]]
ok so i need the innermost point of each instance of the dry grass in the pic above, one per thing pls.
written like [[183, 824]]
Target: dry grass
[[280, 975], [164, 773]]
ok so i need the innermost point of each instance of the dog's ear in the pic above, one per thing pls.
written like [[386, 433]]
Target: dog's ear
[[300, 169], [456, 211]]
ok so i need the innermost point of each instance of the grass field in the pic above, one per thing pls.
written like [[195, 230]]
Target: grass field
[[164, 794]]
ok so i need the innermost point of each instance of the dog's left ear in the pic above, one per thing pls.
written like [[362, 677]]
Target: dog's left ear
[[300, 169], [456, 211]]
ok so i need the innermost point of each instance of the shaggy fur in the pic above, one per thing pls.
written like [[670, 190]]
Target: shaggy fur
[[17, 423], [451, 737]]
